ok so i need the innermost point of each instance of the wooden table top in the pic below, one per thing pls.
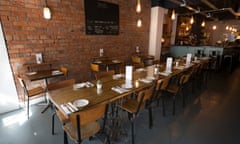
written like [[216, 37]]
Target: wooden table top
[[108, 62], [33, 76], [106, 95]]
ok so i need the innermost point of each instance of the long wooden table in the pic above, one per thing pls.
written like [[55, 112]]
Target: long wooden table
[[107, 95]]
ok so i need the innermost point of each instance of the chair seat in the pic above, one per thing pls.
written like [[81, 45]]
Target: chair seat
[[61, 117], [87, 130], [35, 91], [130, 105], [172, 88]]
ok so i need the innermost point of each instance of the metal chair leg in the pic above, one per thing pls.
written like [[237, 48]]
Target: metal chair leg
[[163, 107], [173, 105], [53, 124], [28, 108], [132, 127], [65, 138], [150, 118]]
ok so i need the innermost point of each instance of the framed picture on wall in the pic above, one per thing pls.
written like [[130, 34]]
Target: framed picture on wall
[[39, 59]]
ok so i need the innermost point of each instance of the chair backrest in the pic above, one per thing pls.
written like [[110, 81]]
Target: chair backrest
[[162, 83], [88, 115], [64, 70], [184, 79], [143, 97], [136, 59], [22, 83], [61, 84], [94, 67], [104, 74]]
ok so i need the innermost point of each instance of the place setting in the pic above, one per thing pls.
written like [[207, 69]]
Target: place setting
[[83, 85]]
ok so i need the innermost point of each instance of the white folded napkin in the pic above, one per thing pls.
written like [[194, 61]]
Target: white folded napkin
[[55, 72], [179, 67], [145, 80], [83, 84], [164, 73], [118, 76], [140, 70], [119, 89]]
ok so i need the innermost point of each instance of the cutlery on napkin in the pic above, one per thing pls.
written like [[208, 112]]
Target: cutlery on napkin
[[69, 108], [119, 89]]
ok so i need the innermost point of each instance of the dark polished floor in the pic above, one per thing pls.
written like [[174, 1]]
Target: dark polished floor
[[213, 118]]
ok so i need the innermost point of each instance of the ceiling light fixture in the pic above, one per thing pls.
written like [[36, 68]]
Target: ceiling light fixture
[[46, 11], [138, 7], [173, 16]]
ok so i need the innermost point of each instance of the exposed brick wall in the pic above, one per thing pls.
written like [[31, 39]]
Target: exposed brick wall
[[63, 37]]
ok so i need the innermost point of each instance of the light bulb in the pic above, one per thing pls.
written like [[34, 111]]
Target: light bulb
[[46, 13], [191, 20], [203, 24], [173, 15], [138, 7], [214, 27], [139, 23]]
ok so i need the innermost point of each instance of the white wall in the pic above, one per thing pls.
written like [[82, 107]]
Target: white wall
[[156, 30], [8, 92]]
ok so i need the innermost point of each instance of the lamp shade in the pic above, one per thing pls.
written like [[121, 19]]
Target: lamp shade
[[138, 7], [46, 13]]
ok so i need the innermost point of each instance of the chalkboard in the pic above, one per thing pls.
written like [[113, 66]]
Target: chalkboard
[[102, 18]]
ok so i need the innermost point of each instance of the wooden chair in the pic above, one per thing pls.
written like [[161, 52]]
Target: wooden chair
[[137, 62], [134, 105], [175, 89], [55, 86], [30, 93], [94, 69], [160, 88], [64, 70], [104, 74], [83, 124], [136, 59]]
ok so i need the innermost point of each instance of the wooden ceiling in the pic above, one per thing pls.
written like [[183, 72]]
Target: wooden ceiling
[[207, 9]]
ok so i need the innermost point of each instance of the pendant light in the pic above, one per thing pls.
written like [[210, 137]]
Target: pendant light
[[46, 11], [138, 7], [192, 20], [203, 23], [173, 16], [139, 23]]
